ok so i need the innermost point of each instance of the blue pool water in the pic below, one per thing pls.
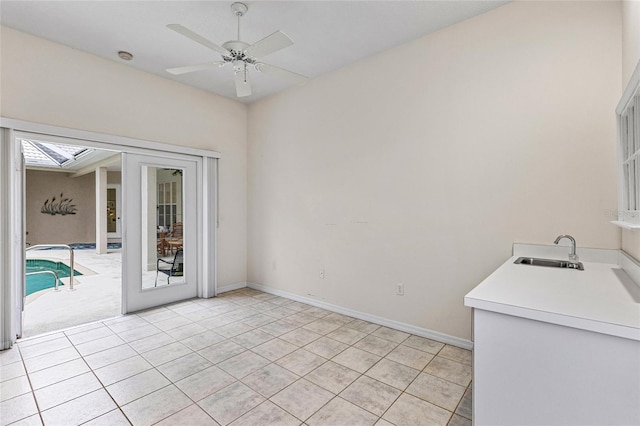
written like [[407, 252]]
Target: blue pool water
[[84, 246], [44, 281]]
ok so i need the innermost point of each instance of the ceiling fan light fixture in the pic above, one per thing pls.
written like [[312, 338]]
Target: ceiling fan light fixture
[[240, 54]]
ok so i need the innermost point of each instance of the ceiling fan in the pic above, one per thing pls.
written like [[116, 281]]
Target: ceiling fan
[[241, 55]]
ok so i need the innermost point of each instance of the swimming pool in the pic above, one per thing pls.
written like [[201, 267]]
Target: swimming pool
[[41, 282]]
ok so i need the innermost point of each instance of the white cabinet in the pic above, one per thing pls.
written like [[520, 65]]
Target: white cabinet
[[528, 372]]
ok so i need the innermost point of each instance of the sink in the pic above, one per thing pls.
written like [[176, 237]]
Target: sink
[[549, 263]]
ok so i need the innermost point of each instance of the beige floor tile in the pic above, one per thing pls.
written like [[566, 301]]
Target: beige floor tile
[[300, 337], [66, 390], [269, 380], [11, 371], [326, 347], [109, 356], [464, 409], [338, 318], [383, 422], [186, 331], [356, 359], [302, 398], [156, 315], [259, 320], [171, 323], [301, 319], [252, 338], [216, 321], [233, 329], [89, 335], [456, 354], [423, 344], [33, 420], [265, 414], [166, 353], [333, 377], [17, 408], [126, 323], [370, 394], [139, 333], [205, 383], [193, 415], [363, 326], [301, 362], [410, 357], [202, 340], [44, 347], [10, 356], [278, 328], [346, 335], [339, 411], [322, 326], [14, 387], [449, 370], [186, 307], [316, 312], [375, 345], [280, 312], [280, 301], [23, 343], [200, 315], [99, 345], [229, 403], [50, 359], [392, 373], [391, 334], [121, 370], [411, 411], [183, 367], [436, 391], [80, 410], [152, 342], [457, 420], [112, 418], [221, 351], [156, 406], [274, 349], [137, 386], [243, 364]]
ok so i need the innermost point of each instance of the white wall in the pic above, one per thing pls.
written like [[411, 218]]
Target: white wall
[[49, 83], [424, 163], [630, 58]]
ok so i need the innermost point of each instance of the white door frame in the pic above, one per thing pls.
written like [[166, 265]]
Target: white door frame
[[12, 241]]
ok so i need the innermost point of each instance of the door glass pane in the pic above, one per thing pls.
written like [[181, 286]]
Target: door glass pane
[[111, 210], [163, 244]]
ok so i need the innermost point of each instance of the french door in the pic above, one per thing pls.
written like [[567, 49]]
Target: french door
[[160, 260]]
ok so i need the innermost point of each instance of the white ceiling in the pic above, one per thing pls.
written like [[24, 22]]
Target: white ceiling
[[328, 34]]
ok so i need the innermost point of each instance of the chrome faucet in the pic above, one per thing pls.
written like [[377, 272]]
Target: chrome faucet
[[573, 257]]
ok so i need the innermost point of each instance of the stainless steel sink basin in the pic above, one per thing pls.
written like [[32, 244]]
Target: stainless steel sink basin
[[549, 263]]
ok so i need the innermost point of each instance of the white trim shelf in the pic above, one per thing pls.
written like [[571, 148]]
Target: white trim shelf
[[626, 225]]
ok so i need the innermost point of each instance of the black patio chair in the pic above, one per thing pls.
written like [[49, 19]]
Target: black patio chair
[[176, 268]]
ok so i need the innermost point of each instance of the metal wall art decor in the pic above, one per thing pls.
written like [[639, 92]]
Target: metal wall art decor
[[61, 206]]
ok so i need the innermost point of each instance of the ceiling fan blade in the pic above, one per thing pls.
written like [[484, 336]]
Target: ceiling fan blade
[[243, 87], [269, 44], [193, 68], [198, 38], [282, 73]]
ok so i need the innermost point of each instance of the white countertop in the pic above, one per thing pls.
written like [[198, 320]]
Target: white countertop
[[602, 298]]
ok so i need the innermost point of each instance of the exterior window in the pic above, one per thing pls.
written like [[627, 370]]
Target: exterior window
[[628, 113], [167, 204]]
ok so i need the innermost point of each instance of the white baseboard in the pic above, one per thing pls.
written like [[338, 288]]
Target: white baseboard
[[231, 287], [418, 331]]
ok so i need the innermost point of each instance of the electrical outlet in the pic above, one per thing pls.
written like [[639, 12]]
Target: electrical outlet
[[322, 274], [400, 289]]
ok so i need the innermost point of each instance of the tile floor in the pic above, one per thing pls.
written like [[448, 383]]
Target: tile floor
[[243, 358]]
